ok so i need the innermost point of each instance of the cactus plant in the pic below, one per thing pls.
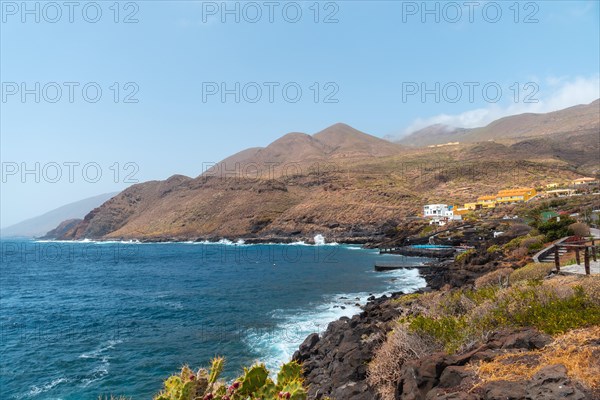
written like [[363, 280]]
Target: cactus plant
[[253, 384], [253, 379]]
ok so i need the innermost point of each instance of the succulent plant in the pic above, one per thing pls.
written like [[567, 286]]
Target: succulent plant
[[253, 384]]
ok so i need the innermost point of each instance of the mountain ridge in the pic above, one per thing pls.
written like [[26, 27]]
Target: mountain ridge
[[369, 185], [336, 141], [511, 128]]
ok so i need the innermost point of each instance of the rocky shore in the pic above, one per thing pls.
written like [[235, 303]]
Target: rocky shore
[[335, 363]]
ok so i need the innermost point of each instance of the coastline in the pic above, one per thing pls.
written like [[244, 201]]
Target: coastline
[[335, 362], [341, 240]]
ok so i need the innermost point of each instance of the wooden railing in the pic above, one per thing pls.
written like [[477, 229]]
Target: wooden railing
[[589, 252]]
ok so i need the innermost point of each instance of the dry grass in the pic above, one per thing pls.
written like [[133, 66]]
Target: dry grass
[[591, 285], [383, 372], [577, 350], [566, 284], [456, 320], [459, 319], [498, 277], [442, 303], [532, 271]]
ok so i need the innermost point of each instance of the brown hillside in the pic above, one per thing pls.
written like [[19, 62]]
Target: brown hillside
[[513, 128], [369, 185]]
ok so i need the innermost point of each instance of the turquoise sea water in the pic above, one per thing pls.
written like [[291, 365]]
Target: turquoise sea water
[[81, 319]]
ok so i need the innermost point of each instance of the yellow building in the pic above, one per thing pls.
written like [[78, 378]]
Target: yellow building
[[470, 206], [515, 195], [462, 211], [486, 201], [503, 196]]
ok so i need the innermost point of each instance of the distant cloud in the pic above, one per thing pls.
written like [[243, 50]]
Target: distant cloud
[[560, 92]]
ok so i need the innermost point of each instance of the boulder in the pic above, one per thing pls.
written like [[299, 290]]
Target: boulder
[[552, 382], [504, 390]]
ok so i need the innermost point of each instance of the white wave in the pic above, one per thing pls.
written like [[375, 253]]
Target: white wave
[[351, 247], [90, 241], [319, 240], [132, 241], [59, 241], [298, 243], [103, 348], [226, 242], [36, 390], [98, 373], [276, 346], [101, 370]]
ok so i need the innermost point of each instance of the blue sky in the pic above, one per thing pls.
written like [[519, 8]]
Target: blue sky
[[179, 49]]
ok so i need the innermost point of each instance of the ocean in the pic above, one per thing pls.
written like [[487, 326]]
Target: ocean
[[84, 319]]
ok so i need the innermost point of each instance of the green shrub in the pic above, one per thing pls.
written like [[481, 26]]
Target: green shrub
[[407, 298], [514, 243], [556, 229], [457, 319], [532, 272], [533, 242], [464, 256], [449, 331], [483, 294], [535, 246], [494, 248], [427, 230], [546, 311]]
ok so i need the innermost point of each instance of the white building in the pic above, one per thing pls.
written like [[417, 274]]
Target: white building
[[439, 214], [437, 210]]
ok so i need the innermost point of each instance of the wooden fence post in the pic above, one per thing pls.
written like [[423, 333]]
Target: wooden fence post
[[594, 253], [577, 256], [556, 259], [586, 260]]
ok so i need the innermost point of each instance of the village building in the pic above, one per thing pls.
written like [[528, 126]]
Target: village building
[[515, 195], [504, 196], [561, 192], [439, 214], [487, 201], [583, 181]]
